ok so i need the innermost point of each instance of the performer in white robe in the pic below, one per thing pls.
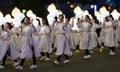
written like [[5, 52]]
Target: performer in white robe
[[1, 30], [69, 35], [7, 46], [110, 37], [15, 38], [0, 40], [95, 41], [62, 42], [78, 35], [53, 35], [86, 39], [118, 29], [28, 46], [45, 43], [36, 34], [102, 37]]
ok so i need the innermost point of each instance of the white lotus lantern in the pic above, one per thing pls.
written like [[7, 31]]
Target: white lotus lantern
[[115, 14], [52, 13], [15, 11], [98, 15], [2, 20], [60, 12], [51, 7], [29, 13], [78, 14], [104, 12], [8, 18], [1, 14]]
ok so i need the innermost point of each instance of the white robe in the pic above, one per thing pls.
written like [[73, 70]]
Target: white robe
[[85, 39], [61, 39], [110, 37], [26, 42], [44, 43], [0, 41], [69, 36], [36, 36], [15, 38], [8, 45], [118, 30], [95, 41]]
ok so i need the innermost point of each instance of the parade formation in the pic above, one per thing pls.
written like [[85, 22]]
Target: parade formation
[[24, 35]]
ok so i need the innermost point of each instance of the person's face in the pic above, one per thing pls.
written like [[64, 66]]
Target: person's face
[[85, 18], [60, 18], [26, 21], [6, 26], [119, 19], [67, 21], [109, 18], [43, 22]]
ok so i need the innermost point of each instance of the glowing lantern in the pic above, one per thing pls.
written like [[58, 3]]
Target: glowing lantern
[[104, 12], [1, 14], [8, 18], [103, 9], [115, 14], [97, 14], [2, 20], [51, 7], [77, 10], [79, 13], [60, 12], [52, 13], [29, 13], [15, 11], [86, 12]]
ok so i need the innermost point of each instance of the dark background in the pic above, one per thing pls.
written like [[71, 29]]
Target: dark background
[[39, 7]]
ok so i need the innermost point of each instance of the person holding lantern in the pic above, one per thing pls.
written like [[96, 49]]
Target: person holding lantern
[[110, 37], [118, 29], [61, 40], [86, 39], [7, 46], [28, 46], [69, 34], [44, 43]]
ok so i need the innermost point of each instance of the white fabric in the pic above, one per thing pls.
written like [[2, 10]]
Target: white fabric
[[44, 43], [85, 39], [61, 39], [26, 43], [7, 45], [110, 37]]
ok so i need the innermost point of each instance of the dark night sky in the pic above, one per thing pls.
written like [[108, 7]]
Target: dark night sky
[[37, 6]]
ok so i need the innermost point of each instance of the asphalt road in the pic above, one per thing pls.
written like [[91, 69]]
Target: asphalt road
[[99, 62]]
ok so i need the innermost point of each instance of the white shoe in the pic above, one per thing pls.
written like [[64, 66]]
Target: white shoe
[[19, 67], [91, 52], [33, 66], [77, 50], [42, 58], [16, 63], [2, 67], [101, 50], [102, 47], [56, 62], [47, 59], [87, 56], [112, 53], [66, 61]]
